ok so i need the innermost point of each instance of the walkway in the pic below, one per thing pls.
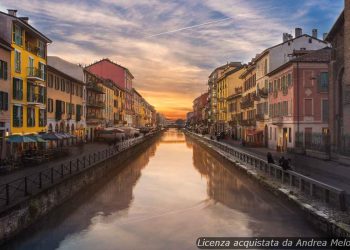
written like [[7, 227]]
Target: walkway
[[330, 172]]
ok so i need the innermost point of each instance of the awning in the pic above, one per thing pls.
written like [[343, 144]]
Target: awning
[[36, 138], [50, 136], [19, 139]]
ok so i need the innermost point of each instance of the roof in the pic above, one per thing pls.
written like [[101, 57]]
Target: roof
[[137, 93], [110, 61], [249, 68], [316, 56], [337, 25], [232, 64], [70, 69], [5, 45], [22, 21]]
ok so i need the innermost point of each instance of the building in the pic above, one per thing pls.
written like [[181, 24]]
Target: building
[[28, 73], [226, 84], [118, 105], [5, 90], [137, 109], [233, 100], [94, 104], [255, 99], [120, 76], [212, 95], [108, 113], [65, 97], [298, 102], [199, 106], [339, 89]]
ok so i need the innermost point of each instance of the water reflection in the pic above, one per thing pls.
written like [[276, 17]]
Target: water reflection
[[165, 198]]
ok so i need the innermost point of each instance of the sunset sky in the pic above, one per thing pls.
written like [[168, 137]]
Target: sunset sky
[[171, 46]]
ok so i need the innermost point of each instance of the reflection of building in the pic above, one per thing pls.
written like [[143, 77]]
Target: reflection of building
[[339, 91], [65, 97], [28, 73], [5, 90]]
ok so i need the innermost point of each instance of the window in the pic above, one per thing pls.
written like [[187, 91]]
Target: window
[[289, 80], [42, 71], [49, 105], [63, 85], [290, 135], [78, 117], [17, 116], [17, 61], [42, 117], [67, 86], [325, 111], [4, 101], [72, 88], [323, 82], [3, 70], [17, 35], [17, 89], [308, 107], [57, 83], [41, 49], [50, 81], [30, 117]]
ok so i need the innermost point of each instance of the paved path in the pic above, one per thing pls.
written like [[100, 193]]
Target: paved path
[[330, 172], [75, 151]]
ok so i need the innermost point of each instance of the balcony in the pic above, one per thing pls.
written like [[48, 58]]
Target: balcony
[[278, 121], [249, 103], [263, 92], [35, 99], [249, 122], [35, 74], [260, 117], [95, 104], [93, 87], [93, 119], [32, 48]]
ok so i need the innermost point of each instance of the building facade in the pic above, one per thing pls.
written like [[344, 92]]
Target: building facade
[[5, 97], [339, 89], [65, 98], [298, 102], [28, 73], [94, 104], [120, 76]]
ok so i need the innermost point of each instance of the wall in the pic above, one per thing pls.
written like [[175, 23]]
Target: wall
[[346, 118]]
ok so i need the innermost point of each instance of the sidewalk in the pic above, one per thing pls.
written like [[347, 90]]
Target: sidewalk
[[330, 172], [75, 151]]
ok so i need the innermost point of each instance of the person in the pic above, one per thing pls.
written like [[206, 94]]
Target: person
[[269, 158], [281, 160], [285, 164]]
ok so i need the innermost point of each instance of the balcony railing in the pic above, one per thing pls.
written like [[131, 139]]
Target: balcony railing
[[95, 104], [35, 74], [247, 104], [35, 98], [94, 117], [95, 88], [277, 120], [263, 92], [260, 117], [249, 122]]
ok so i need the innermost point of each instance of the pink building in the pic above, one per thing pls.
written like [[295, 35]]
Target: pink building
[[120, 76], [298, 101]]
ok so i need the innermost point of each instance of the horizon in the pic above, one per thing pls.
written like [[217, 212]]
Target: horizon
[[207, 34]]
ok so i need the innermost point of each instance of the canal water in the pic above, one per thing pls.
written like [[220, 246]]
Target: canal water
[[165, 198]]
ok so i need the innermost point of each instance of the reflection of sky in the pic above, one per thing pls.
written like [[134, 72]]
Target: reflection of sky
[[165, 199], [172, 68]]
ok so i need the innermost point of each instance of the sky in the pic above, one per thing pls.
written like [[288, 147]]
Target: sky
[[171, 47]]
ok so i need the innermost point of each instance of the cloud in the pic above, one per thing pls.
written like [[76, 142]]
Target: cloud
[[170, 46]]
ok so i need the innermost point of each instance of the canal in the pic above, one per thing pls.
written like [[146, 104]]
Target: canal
[[165, 198]]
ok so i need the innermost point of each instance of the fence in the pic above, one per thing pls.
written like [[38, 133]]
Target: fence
[[313, 141], [22, 188], [309, 186]]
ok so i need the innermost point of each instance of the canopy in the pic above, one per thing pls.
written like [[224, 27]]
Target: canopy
[[19, 139], [50, 136], [36, 138]]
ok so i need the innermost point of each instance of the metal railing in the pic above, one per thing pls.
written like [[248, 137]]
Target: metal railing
[[22, 188], [306, 185]]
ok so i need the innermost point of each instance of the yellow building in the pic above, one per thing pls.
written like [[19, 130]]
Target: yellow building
[[108, 102], [28, 73], [136, 107], [227, 82], [65, 97], [118, 105]]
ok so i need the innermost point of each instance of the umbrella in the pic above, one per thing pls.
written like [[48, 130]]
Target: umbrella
[[36, 138], [50, 136], [19, 139]]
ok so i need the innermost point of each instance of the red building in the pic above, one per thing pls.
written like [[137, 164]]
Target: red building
[[298, 102], [120, 76]]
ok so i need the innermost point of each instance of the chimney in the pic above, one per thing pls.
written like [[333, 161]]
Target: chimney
[[12, 12], [314, 33], [298, 32], [24, 19], [325, 35]]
